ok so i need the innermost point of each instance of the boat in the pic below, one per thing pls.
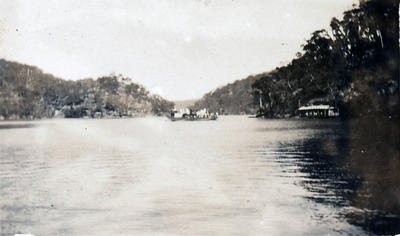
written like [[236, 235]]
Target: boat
[[201, 115], [194, 118]]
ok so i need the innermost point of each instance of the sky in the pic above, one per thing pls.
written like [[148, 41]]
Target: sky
[[179, 49]]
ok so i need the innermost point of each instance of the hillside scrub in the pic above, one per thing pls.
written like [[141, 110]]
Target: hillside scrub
[[28, 93]]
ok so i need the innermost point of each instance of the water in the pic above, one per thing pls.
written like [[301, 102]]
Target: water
[[151, 176]]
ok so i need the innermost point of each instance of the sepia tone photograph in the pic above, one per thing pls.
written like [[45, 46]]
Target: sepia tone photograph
[[199, 118]]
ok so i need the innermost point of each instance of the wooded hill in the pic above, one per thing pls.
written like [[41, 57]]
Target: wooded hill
[[235, 98], [353, 65], [28, 93]]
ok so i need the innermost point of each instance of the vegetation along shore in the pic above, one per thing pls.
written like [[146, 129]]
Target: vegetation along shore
[[353, 65]]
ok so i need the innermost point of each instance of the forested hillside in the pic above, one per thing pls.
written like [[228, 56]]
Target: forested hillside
[[234, 98], [353, 65], [28, 93]]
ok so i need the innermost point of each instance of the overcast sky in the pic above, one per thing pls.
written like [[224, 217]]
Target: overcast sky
[[179, 49]]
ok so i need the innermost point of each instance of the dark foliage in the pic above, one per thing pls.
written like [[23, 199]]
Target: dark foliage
[[235, 98], [353, 65]]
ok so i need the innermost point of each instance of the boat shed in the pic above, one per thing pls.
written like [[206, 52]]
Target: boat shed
[[318, 111]]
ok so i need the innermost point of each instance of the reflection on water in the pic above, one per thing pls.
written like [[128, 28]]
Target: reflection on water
[[373, 153], [16, 125], [235, 176]]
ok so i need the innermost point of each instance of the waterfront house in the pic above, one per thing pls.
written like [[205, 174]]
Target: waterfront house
[[318, 111]]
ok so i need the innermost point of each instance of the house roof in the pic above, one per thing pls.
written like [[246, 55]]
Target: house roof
[[315, 107]]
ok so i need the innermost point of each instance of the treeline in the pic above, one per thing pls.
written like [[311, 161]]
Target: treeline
[[235, 98], [28, 93], [353, 65]]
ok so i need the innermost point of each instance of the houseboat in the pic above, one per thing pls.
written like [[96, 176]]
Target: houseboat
[[318, 111]]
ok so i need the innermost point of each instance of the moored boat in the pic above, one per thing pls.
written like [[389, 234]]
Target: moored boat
[[193, 116]]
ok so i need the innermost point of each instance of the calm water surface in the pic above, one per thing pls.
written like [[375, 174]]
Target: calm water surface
[[151, 176]]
